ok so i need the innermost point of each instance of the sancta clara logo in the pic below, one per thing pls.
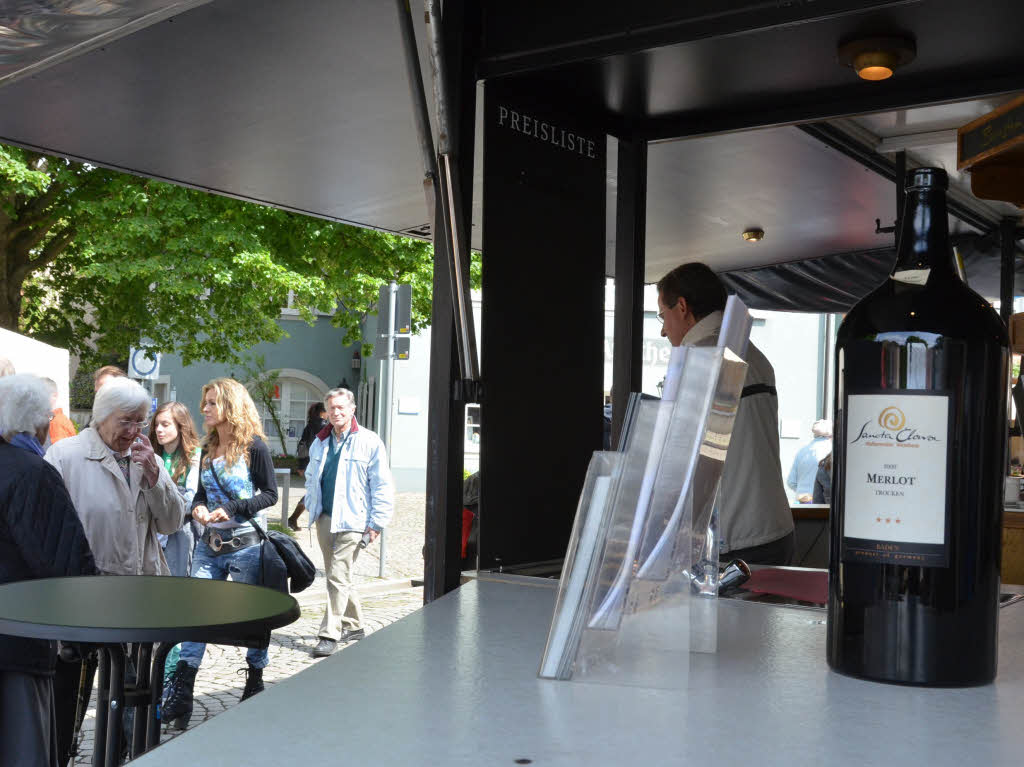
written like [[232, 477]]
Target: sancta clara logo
[[892, 418], [893, 423]]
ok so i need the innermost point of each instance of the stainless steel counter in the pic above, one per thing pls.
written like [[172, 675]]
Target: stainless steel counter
[[455, 684]]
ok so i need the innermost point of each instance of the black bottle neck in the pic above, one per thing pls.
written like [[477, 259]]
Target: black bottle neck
[[924, 233]]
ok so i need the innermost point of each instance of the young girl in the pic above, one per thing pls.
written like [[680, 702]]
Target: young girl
[[175, 441], [236, 483], [174, 438]]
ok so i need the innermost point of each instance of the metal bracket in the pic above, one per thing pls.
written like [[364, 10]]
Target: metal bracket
[[879, 229], [468, 391]]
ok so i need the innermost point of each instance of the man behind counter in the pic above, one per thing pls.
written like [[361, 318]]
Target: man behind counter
[[755, 524]]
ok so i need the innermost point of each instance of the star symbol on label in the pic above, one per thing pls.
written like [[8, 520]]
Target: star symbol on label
[[888, 520], [897, 521], [878, 519]]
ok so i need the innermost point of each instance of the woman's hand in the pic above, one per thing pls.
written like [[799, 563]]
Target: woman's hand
[[201, 514], [142, 454], [217, 515]]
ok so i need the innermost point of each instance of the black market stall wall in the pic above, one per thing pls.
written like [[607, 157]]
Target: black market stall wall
[[542, 312]]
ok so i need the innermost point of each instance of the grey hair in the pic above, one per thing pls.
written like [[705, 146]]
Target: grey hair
[[119, 395], [822, 428], [50, 384], [24, 404], [6, 367], [340, 393]]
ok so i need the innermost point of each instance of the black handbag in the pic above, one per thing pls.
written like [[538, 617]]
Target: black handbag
[[281, 558], [279, 553]]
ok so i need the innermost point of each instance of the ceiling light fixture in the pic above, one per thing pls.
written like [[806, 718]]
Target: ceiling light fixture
[[753, 235], [876, 58]]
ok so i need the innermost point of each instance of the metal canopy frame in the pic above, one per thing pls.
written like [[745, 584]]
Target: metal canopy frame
[[571, 60], [158, 92]]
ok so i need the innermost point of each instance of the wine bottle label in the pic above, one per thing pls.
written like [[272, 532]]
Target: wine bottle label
[[912, 276], [895, 500]]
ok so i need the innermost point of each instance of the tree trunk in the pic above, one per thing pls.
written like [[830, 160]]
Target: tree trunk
[[10, 295]]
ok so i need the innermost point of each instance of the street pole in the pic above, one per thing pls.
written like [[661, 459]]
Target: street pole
[[389, 374]]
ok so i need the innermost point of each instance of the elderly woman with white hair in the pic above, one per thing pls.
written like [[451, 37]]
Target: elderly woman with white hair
[[124, 497], [122, 491], [40, 537]]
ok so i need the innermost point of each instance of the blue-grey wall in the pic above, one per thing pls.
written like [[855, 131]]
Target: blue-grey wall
[[317, 350]]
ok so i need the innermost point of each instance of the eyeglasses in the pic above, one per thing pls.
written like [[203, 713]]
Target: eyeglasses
[[661, 316], [128, 425]]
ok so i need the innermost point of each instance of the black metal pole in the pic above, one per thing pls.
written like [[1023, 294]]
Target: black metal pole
[[156, 691], [630, 241], [143, 652], [419, 99], [901, 192], [1008, 246], [116, 655], [445, 421], [99, 738]]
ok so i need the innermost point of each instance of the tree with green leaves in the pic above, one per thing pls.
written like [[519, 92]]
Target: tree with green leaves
[[98, 261]]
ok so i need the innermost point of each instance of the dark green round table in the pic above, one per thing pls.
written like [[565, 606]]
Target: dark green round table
[[109, 611]]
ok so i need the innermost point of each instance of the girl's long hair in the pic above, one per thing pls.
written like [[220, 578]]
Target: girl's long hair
[[237, 408], [188, 439]]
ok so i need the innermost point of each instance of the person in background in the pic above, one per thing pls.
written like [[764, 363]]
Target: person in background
[[6, 367], [755, 522], [350, 497], [41, 536], [104, 374], [823, 481], [124, 497], [61, 426], [316, 419], [236, 480], [805, 463], [175, 441]]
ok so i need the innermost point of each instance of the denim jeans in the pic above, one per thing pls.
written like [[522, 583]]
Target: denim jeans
[[243, 566]]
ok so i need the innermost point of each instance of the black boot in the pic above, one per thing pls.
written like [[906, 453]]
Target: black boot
[[253, 682], [293, 520], [178, 703]]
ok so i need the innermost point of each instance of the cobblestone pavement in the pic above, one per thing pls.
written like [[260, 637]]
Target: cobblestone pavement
[[403, 538], [219, 682]]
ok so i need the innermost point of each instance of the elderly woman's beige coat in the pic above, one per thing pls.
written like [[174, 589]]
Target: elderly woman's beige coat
[[121, 521]]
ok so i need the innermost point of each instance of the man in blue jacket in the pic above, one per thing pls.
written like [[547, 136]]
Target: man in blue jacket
[[350, 498]]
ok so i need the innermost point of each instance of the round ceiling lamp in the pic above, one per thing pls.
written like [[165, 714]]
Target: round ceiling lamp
[[876, 58], [753, 235]]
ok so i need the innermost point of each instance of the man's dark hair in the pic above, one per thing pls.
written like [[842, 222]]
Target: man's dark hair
[[108, 370], [703, 291]]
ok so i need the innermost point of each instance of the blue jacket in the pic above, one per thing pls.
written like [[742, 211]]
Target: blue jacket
[[364, 494]]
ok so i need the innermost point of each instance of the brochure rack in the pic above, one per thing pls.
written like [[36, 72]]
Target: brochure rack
[[639, 583]]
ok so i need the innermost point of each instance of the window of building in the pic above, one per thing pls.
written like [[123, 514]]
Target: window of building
[[291, 403]]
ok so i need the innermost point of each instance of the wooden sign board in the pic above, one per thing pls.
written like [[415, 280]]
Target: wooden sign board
[[997, 133]]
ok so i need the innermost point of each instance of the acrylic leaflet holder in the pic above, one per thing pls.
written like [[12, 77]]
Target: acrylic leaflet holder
[[631, 605]]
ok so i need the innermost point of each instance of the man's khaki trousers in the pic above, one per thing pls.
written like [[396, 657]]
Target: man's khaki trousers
[[340, 551]]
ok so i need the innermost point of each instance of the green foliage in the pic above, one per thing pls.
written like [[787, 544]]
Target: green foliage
[[285, 529], [81, 392], [100, 261]]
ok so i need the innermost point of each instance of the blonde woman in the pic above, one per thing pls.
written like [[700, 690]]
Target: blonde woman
[[236, 481]]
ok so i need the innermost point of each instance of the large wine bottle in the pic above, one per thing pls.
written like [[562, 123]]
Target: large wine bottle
[[920, 448]]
